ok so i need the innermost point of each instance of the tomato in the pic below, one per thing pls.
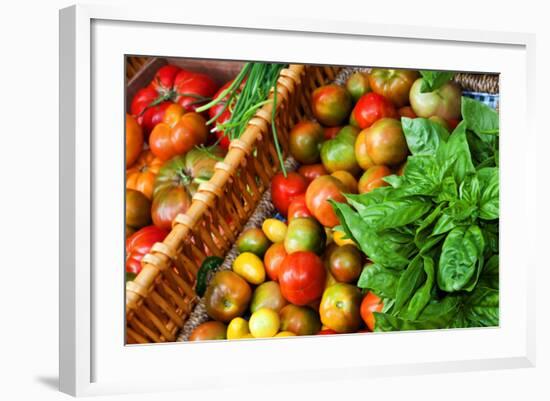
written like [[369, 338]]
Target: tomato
[[372, 178], [163, 81], [141, 175], [178, 133], [331, 104], [347, 179], [300, 320], [346, 263], [268, 295], [273, 259], [227, 296], [275, 230], [284, 190], [361, 154], [305, 141], [319, 192], [371, 108], [145, 109], [340, 308], [406, 111], [134, 140], [312, 171], [327, 332], [176, 183], [358, 84], [264, 322], [394, 85], [193, 89], [138, 209], [386, 143], [253, 240], [330, 132], [338, 153], [441, 121], [302, 277], [298, 208], [237, 328], [208, 331], [371, 303], [139, 244], [443, 102], [250, 267], [305, 234]]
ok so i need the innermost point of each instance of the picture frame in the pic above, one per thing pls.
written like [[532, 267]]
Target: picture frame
[[93, 42]]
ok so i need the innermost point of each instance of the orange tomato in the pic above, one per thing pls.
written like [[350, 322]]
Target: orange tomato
[[178, 133], [134, 140], [371, 303], [347, 179], [141, 176]]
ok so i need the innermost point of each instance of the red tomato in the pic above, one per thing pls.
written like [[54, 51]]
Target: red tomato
[[193, 88], [312, 171], [371, 303], [146, 115], [284, 190], [330, 132], [163, 81], [139, 244], [406, 111], [372, 107], [273, 258], [327, 331], [302, 277], [298, 208], [319, 192]]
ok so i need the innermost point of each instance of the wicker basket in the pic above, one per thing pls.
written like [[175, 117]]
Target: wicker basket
[[161, 297]]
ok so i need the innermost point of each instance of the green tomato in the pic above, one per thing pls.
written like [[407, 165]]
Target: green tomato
[[305, 234], [338, 154], [253, 240]]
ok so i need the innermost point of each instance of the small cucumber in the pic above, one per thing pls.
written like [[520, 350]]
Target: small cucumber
[[209, 264]]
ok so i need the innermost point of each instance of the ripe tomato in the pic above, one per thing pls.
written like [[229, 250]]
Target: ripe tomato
[[302, 277], [209, 331], [312, 171], [298, 208], [339, 308], [444, 102], [178, 133], [300, 320], [192, 89], [138, 209], [134, 140], [372, 178], [358, 84], [386, 143], [147, 113], [163, 81], [284, 190], [372, 107], [305, 141], [141, 175], [227, 296], [139, 244], [394, 85], [273, 258], [371, 303], [347, 179], [406, 111], [331, 104], [319, 192]]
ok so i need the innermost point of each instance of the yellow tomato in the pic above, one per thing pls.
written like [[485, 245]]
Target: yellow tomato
[[264, 322], [274, 230], [250, 267], [285, 334], [247, 335], [237, 328], [338, 237]]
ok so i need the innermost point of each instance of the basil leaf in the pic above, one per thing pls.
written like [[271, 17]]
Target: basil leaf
[[470, 190], [391, 214], [394, 180], [444, 224], [461, 210], [479, 117], [480, 309], [421, 298], [449, 190], [422, 176], [483, 153], [423, 231], [489, 201], [433, 80], [423, 136], [490, 275], [457, 148], [378, 279], [436, 315], [459, 255], [409, 282]]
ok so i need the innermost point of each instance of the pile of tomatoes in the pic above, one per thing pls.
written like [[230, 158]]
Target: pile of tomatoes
[[164, 165], [298, 275]]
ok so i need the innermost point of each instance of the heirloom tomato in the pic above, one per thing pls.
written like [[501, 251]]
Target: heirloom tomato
[[273, 258], [300, 320], [340, 308], [443, 102], [134, 140], [312, 171], [147, 111], [177, 182], [394, 85], [193, 89], [302, 277], [227, 296], [298, 208], [211, 330], [318, 194], [385, 142], [371, 303], [285, 189], [347, 179], [139, 244], [346, 263], [373, 178], [267, 295], [305, 141], [331, 104], [371, 108], [138, 209], [338, 153], [253, 240], [358, 84], [141, 175], [305, 234]]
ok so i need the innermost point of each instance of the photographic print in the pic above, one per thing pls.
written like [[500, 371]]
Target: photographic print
[[268, 200]]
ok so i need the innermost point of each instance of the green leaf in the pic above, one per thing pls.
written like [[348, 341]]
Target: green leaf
[[479, 117], [409, 281], [378, 279], [461, 210], [490, 274], [459, 256], [479, 309], [470, 190], [423, 136], [444, 224], [457, 148], [489, 201], [484, 154], [433, 80], [391, 214], [449, 190], [421, 298]]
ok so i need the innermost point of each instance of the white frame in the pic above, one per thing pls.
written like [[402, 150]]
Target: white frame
[[76, 205]]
